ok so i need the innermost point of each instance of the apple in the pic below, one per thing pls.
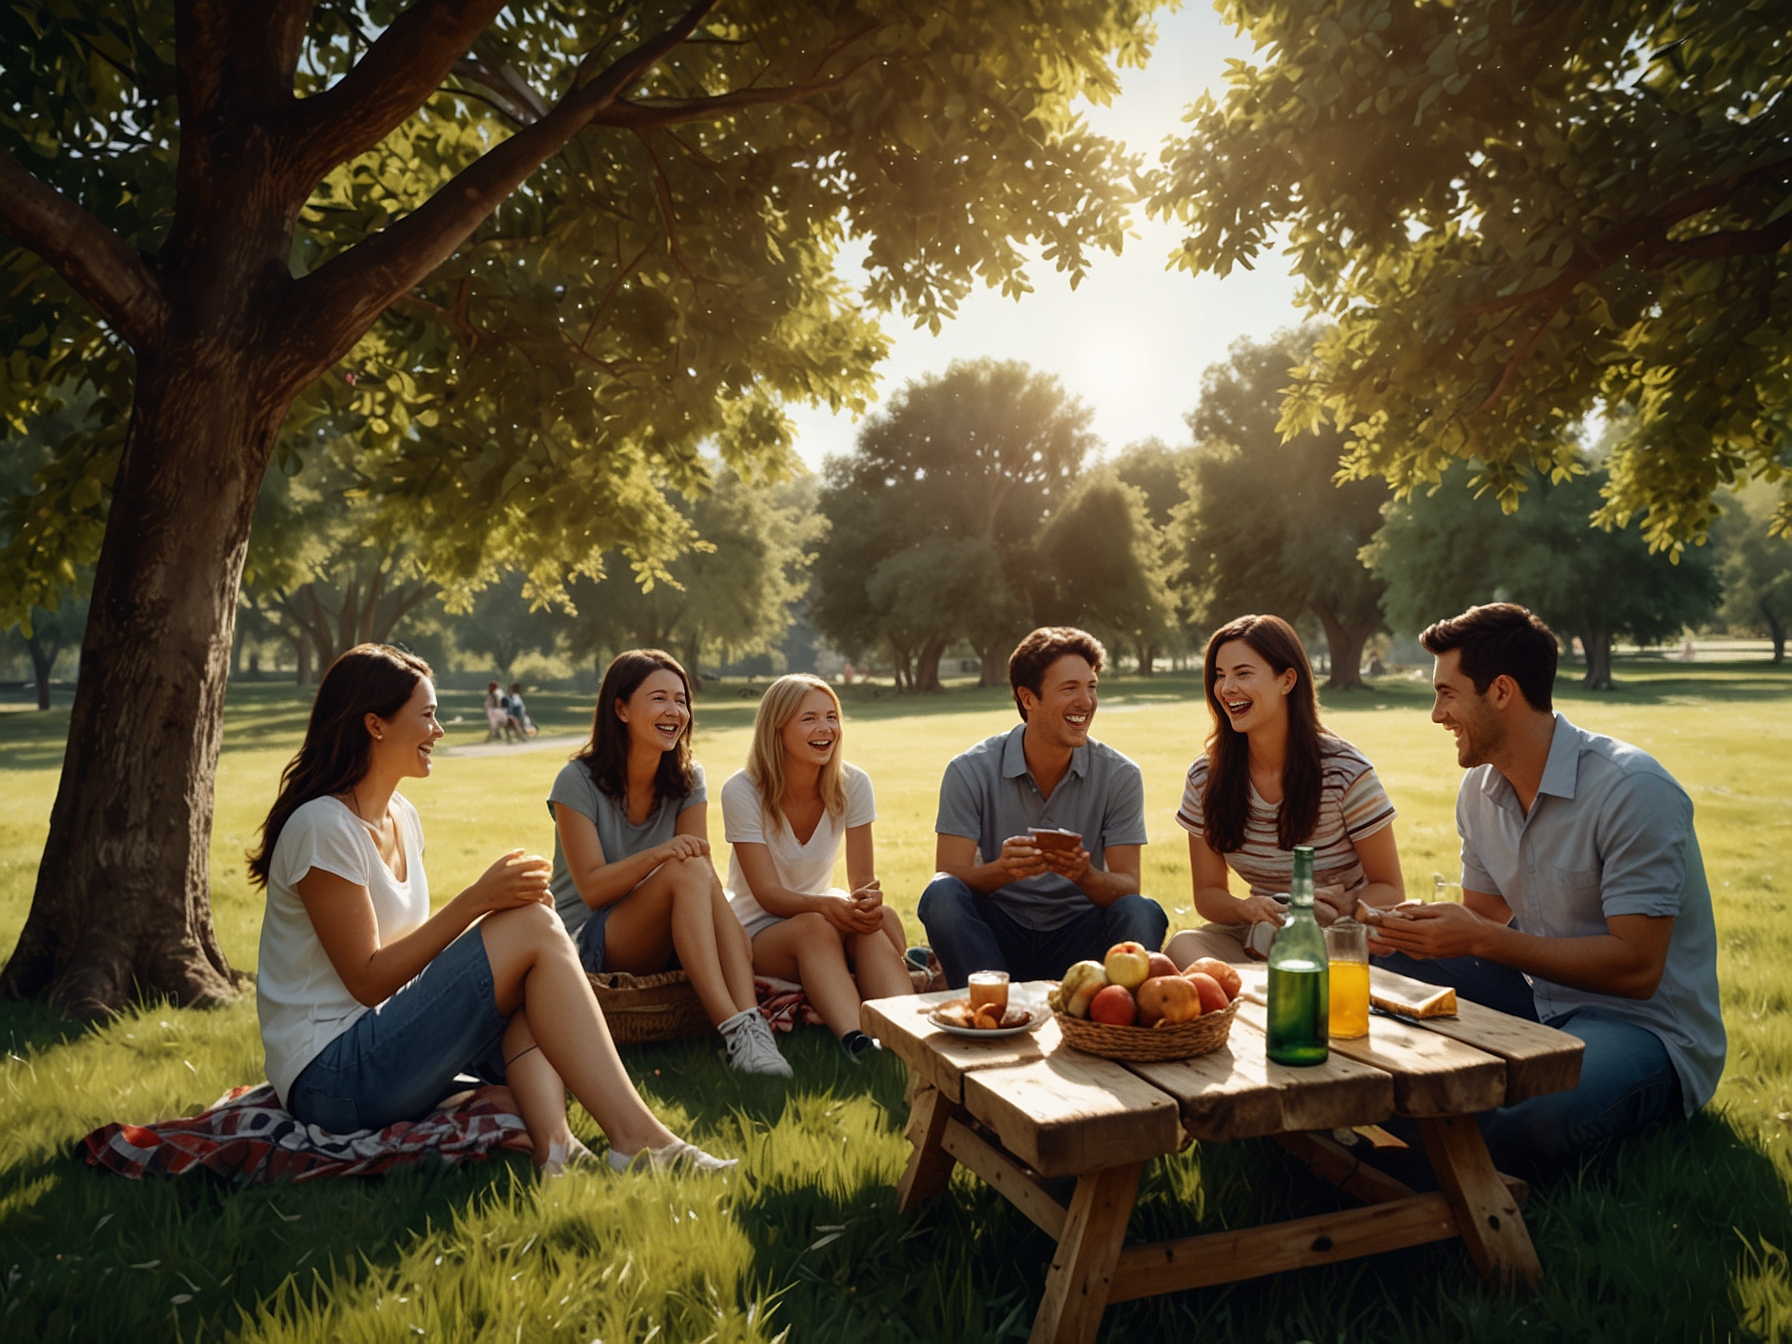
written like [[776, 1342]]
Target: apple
[[1080, 984], [1213, 998], [1224, 973], [1161, 965], [1114, 1006], [1168, 999], [1128, 964]]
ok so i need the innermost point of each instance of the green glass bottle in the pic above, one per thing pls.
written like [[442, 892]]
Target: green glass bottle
[[1299, 981]]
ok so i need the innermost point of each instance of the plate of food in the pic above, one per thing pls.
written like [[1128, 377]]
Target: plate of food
[[958, 1018]]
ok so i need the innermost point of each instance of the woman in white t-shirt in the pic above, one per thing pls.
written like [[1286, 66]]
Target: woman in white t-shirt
[[371, 1006], [786, 816]]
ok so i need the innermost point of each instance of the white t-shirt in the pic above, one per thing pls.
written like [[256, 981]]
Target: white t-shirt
[[803, 868], [302, 1002]]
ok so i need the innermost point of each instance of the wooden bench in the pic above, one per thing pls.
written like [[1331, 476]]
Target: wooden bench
[[1022, 1111]]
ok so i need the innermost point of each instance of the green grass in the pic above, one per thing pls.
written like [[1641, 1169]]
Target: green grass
[[1680, 1234]]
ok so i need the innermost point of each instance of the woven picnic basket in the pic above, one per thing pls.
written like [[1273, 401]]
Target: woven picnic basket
[[644, 1008], [1149, 1045]]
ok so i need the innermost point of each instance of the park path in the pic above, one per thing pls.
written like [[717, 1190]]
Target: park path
[[564, 742]]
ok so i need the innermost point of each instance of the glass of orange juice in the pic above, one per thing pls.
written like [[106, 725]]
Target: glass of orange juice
[[1347, 959], [989, 987]]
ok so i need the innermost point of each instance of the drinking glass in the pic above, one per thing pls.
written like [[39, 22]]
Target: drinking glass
[[1347, 957]]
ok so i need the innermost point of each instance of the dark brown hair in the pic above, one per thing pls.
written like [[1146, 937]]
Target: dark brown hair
[[1035, 654], [1226, 805], [1500, 639], [605, 756], [368, 679]]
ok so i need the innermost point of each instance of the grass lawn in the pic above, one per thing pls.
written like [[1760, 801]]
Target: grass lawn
[[1681, 1234]]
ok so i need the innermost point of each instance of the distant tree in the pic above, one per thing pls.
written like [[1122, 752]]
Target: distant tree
[[1103, 567], [982, 453], [43, 637], [1757, 570], [1447, 549], [1267, 528], [1516, 215], [1158, 471], [505, 626], [726, 598]]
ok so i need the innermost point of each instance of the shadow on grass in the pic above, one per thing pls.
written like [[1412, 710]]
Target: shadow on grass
[[30, 1025]]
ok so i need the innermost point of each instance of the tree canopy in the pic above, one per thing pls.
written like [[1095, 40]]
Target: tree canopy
[[1445, 549], [1518, 215]]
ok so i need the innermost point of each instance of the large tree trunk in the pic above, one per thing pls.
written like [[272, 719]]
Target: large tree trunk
[[1597, 644], [1776, 630], [992, 663], [1147, 658], [43, 662], [1344, 645], [927, 671], [121, 905]]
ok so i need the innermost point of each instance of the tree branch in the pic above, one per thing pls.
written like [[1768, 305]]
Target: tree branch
[[336, 303], [401, 70], [101, 266]]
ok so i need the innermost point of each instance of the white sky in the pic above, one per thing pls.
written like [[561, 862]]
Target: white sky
[[1133, 339]]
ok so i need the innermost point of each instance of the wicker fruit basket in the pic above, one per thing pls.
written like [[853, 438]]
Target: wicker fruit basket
[[643, 1008], [1149, 1045]]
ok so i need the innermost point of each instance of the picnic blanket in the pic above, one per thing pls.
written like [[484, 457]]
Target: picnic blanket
[[784, 1005], [247, 1136]]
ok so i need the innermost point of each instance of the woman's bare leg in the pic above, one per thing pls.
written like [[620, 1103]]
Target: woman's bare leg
[[877, 962], [535, 965], [680, 907], [808, 949], [540, 1092]]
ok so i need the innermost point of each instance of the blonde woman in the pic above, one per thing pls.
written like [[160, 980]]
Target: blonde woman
[[786, 816]]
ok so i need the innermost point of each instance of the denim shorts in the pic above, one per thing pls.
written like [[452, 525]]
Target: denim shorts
[[396, 1061]]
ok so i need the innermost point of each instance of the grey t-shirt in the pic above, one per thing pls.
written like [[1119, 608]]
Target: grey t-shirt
[[1609, 833], [619, 837], [988, 795]]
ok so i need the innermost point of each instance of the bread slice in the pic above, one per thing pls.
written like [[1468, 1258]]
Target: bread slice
[[1410, 998]]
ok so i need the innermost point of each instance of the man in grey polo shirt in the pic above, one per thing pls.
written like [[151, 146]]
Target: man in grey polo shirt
[[1584, 902], [1003, 902]]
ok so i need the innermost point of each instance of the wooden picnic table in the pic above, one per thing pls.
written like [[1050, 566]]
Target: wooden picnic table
[[1022, 1111]]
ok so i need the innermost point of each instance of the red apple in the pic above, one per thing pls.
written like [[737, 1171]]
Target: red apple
[[1114, 1006], [1128, 965], [1224, 974], [1213, 998], [1161, 965], [1168, 999]]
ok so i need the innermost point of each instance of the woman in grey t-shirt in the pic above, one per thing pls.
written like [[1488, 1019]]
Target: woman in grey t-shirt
[[633, 880]]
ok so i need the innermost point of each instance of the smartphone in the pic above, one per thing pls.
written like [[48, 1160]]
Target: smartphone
[[1051, 837]]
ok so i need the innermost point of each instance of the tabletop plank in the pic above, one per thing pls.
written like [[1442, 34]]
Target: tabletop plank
[[900, 1024], [1433, 1074], [1539, 1059], [1067, 1113], [1235, 1092]]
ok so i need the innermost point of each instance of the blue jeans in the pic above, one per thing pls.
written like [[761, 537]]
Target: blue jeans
[[971, 933], [396, 1061], [1626, 1078]]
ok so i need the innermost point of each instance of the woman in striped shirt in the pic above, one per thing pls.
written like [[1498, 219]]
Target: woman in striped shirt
[[1274, 778]]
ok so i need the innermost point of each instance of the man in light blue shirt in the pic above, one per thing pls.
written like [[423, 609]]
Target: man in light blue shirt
[[1002, 901], [1584, 901]]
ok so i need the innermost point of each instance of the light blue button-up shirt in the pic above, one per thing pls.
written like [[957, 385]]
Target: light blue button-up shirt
[[1609, 833]]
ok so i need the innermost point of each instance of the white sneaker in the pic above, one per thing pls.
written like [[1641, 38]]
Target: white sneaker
[[751, 1048], [678, 1153]]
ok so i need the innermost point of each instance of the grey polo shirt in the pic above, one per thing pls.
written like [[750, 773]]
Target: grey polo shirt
[[1609, 833], [988, 795]]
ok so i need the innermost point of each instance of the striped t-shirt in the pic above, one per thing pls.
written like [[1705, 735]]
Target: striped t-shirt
[[1352, 804]]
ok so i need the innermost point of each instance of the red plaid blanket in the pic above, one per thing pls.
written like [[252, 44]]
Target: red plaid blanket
[[247, 1136]]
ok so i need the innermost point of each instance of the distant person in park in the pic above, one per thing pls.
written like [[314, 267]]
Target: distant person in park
[[519, 712], [1584, 902], [497, 714], [1002, 901], [1273, 777], [632, 877], [787, 816], [371, 1006]]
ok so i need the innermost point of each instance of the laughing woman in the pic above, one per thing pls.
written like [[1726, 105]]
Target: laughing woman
[[632, 876], [787, 815], [370, 1005], [1274, 778]]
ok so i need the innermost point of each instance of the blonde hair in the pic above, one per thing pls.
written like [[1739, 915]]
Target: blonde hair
[[765, 764]]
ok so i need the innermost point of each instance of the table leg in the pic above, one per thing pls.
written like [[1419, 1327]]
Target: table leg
[[1486, 1209], [1082, 1273], [930, 1165]]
